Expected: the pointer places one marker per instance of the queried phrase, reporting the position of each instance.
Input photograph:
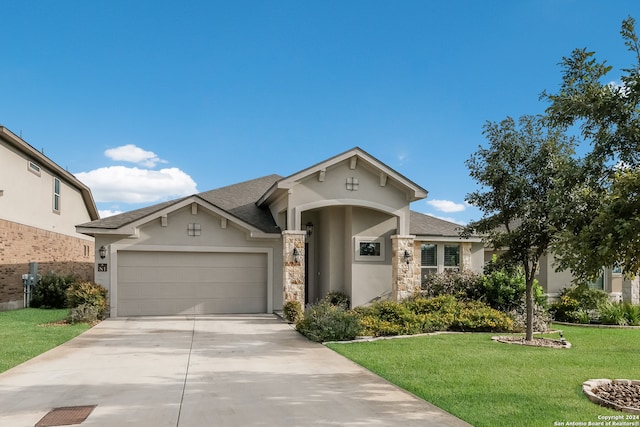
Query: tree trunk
(529, 307)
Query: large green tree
(522, 174)
(605, 201)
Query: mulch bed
(535, 342)
(621, 395)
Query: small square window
(194, 229)
(353, 184)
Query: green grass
(494, 384)
(25, 334)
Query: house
(344, 224)
(40, 204)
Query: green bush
(632, 312)
(421, 315)
(87, 294)
(292, 311)
(51, 291)
(479, 317)
(504, 286)
(578, 304)
(622, 314)
(327, 322)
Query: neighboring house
(612, 280)
(40, 204)
(344, 224)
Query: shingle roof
(238, 200)
(426, 225)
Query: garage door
(171, 283)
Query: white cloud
(134, 185)
(104, 213)
(134, 154)
(447, 205)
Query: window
(369, 249)
(56, 195)
(598, 283)
(429, 258)
(452, 257)
(194, 229)
(436, 258)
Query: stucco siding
(27, 196)
(214, 235)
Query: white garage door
(170, 283)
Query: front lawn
(29, 332)
(493, 384)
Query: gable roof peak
(353, 155)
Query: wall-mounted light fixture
(309, 229)
(407, 256)
(296, 256)
(102, 252)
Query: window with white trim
(452, 257)
(56, 194)
(438, 257)
(429, 258)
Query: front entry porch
(349, 249)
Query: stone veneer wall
(293, 273)
(405, 277)
(21, 244)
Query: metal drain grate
(65, 416)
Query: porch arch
(295, 218)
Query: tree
(523, 173)
(605, 206)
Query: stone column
(405, 275)
(465, 262)
(293, 264)
(631, 290)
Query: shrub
(541, 317)
(479, 317)
(327, 322)
(578, 304)
(421, 315)
(463, 285)
(505, 287)
(338, 298)
(632, 313)
(292, 311)
(84, 313)
(620, 314)
(51, 291)
(89, 295)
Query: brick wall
(54, 252)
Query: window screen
(429, 254)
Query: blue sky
(149, 100)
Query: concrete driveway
(244, 370)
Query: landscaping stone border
(590, 385)
(536, 342)
(597, 325)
